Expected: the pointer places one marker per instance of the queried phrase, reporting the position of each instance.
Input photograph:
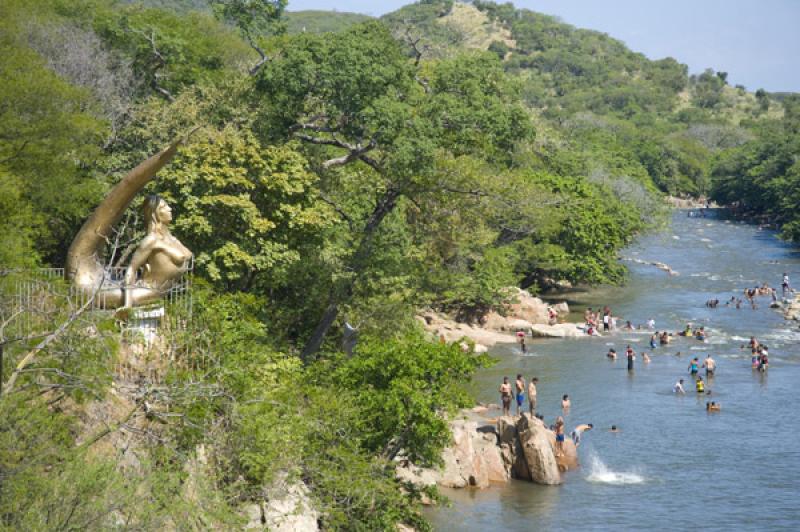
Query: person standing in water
(565, 403)
(694, 366)
(631, 354)
(505, 396)
(678, 388)
(785, 285)
(520, 386)
(532, 395)
(700, 386)
(710, 365)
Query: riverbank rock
(484, 453)
(497, 327)
(288, 509)
(792, 311)
(538, 450)
(474, 458)
(559, 330)
(526, 311)
(453, 331)
(688, 203)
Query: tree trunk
(357, 263)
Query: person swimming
(713, 406)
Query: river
(673, 464)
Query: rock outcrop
(473, 459)
(483, 454)
(538, 451)
(559, 330)
(527, 313)
(287, 508)
(792, 311)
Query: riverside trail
(673, 463)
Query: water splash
(599, 473)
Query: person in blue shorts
(520, 386)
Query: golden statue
(161, 257)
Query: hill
(321, 21)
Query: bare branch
(160, 63)
(29, 357)
(255, 68)
(354, 151)
(346, 217)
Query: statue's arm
(139, 259)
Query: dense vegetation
(355, 172)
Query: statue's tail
(84, 252)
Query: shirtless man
(565, 403)
(612, 354)
(520, 387)
(532, 395)
(505, 396)
(710, 365)
(559, 430)
(577, 431)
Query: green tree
(254, 18)
(355, 95)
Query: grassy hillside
(321, 21)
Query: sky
(756, 41)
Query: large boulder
(538, 451)
(506, 429)
(559, 330)
(488, 455)
(474, 458)
(568, 460)
(288, 508)
(461, 465)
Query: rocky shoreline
(528, 314)
(491, 451)
(792, 310)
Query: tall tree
(356, 99)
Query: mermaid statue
(160, 257)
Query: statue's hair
(151, 203)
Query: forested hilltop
(340, 169)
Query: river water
(673, 464)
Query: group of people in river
(750, 295)
(593, 320)
(517, 393)
(759, 352)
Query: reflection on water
(672, 462)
